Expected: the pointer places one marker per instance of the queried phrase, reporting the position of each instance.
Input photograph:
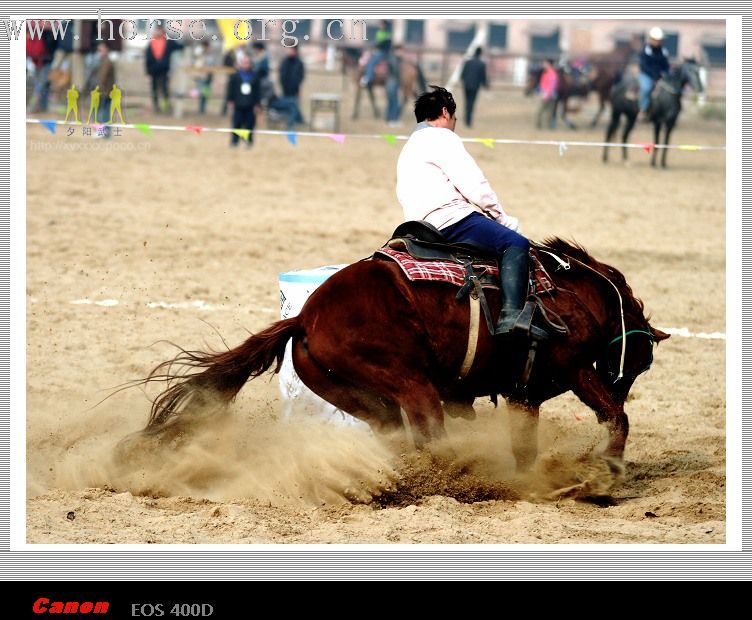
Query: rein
(621, 316)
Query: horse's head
(629, 351)
(690, 74)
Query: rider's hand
(511, 222)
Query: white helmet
(656, 33)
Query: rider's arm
(467, 177)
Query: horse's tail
(220, 375)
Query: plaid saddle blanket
(447, 271)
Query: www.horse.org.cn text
(194, 29)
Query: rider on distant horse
(653, 65)
(439, 182)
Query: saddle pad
(454, 273)
(439, 270)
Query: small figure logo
(72, 103)
(94, 106)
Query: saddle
(424, 241)
(470, 267)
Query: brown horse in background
(598, 73)
(370, 342)
(412, 83)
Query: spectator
(244, 98)
(473, 77)
(158, 67)
(41, 52)
(653, 65)
(260, 59)
(203, 80)
(102, 77)
(383, 47)
(548, 86)
(291, 76)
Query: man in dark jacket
(473, 77)
(291, 76)
(244, 98)
(158, 67)
(653, 65)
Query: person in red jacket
(549, 87)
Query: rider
(439, 182)
(382, 51)
(653, 65)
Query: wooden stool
(327, 103)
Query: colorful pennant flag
(195, 129)
(648, 147)
(339, 138)
(562, 148)
(487, 142)
(143, 128)
(51, 125)
(390, 138)
(242, 133)
(292, 138)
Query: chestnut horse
(371, 342)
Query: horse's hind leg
(381, 414)
(610, 133)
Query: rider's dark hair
(429, 105)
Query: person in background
(244, 98)
(291, 76)
(103, 76)
(383, 48)
(41, 51)
(473, 78)
(439, 182)
(203, 81)
(548, 86)
(158, 55)
(653, 65)
(260, 60)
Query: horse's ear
(658, 335)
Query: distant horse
(665, 102)
(598, 74)
(412, 83)
(607, 70)
(371, 342)
(624, 102)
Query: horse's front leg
(523, 430)
(656, 141)
(669, 128)
(631, 118)
(589, 388)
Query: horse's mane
(574, 250)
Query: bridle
(623, 337)
(614, 376)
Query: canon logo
(45, 606)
